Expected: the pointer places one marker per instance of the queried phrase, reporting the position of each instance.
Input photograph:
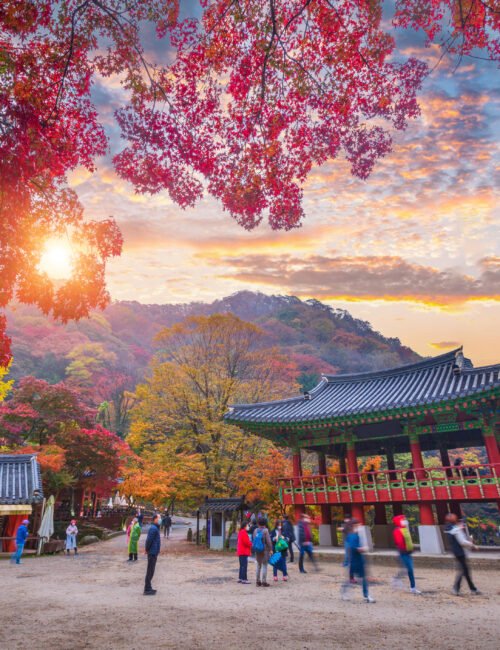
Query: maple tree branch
(74, 15)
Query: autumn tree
(258, 480)
(5, 385)
(165, 476)
(204, 364)
(37, 411)
(249, 98)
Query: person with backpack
(459, 543)
(404, 544)
(280, 545)
(357, 563)
(289, 535)
(243, 551)
(262, 548)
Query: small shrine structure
(442, 403)
(218, 512)
(21, 495)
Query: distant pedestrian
(244, 550)
(133, 542)
(280, 545)
(152, 548)
(167, 524)
(21, 536)
(261, 545)
(289, 535)
(305, 542)
(140, 516)
(404, 545)
(346, 530)
(460, 543)
(71, 537)
(357, 563)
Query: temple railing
(463, 483)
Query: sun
(57, 259)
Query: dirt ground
(95, 600)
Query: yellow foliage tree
(5, 386)
(205, 364)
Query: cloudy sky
(415, 249)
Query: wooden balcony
(395, 486)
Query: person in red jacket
(404, 544)
(244, 550)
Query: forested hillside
(317, 338)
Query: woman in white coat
(71, 535)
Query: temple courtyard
(95, 600)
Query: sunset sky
(415, 249)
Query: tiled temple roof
(223, 505)
(446, 377)
(20, 479)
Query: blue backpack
(258, 545)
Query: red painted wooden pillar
(297, 464)
(326, 516)
(298, 508)
(426, 514)
(352, 461)
(490, 442)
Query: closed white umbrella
(46, 529)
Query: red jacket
(244, 545)
(402, 541)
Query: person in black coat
(289, 534)
(153, 544)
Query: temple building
(439, 404)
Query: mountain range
(318, 338)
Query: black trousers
(290, 550)
(243, 567)
(463, 572)
(150, 571)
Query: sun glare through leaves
(57, 259)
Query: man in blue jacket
(153, 543)
(21, 535)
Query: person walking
(460, 542)
(243, 551)
(289, 535)
(152, 549)
(167, 524)
(21, 535)
(71, 537)
(346, 530)
(305, 542)
(404, 545)
(280, 545)
(357, 563)
(133, 542)
(261, 545)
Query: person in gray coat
(263, 549)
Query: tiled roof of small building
(223, 505)
(446, 377)
(20, 479)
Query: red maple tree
(254, 95)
